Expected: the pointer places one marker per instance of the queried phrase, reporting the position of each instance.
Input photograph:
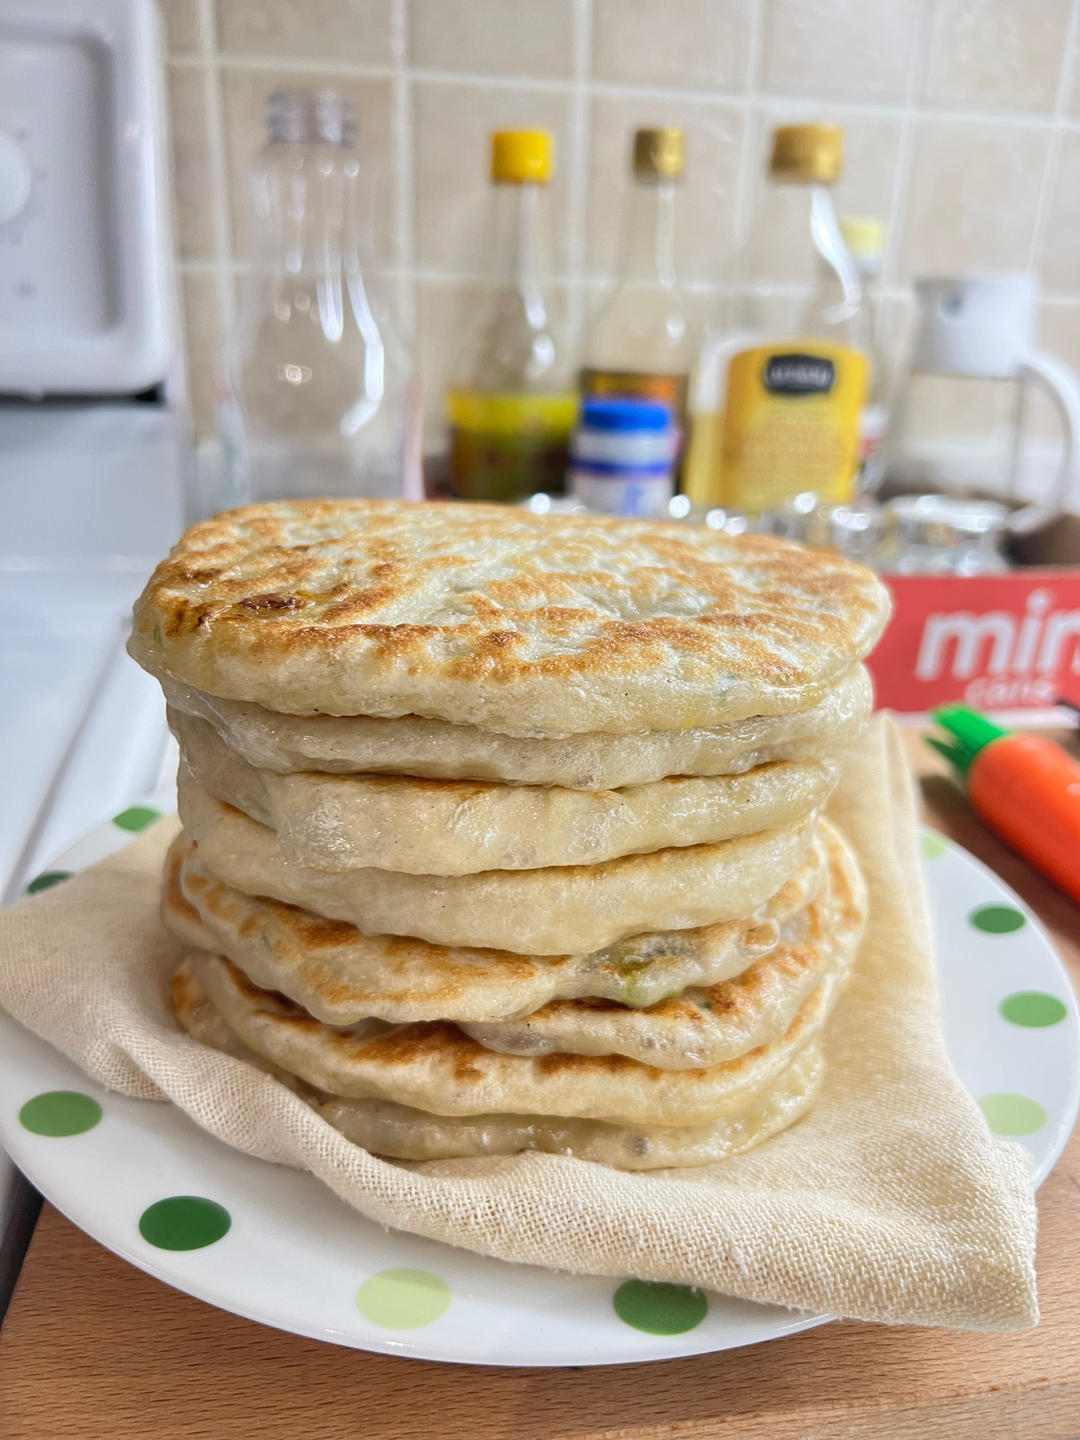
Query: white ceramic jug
(980, 328)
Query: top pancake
(490, 616)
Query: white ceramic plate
(275, 1245)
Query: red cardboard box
(997, 642)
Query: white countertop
(90, 498)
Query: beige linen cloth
(891, 1201)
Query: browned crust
(308, 940)
(470, 1062)
(405, 595)
(409, 1046)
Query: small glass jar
(794, 519)
(943, 535)
(854, 531)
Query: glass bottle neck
(649, 253)
(516, 242)
(794, 244)
(841, 292)
(835, 305)
(307, 213)
(512, 345)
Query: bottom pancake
(435, 1066)
(400, 1132)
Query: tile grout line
(404, 248)
(204, 24)
(219, 184)
(578, 209)
(851, 106)
(905, 146)
(1065, 76)
(293, 64)
(435, 275)
(747, 172)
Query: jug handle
(1059, 382)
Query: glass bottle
(865, 239)
(318, 395)
(510, 405)
(785, 382)
(643, 341)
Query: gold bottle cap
(807, 154)
(659, 153)
(522, 157)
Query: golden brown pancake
(404, 1133)
(435, 1067)
(490, 616)
(532, 912)
(705, 1025)
(340, 975)
(437, 750)
(757, 1027)
(459, 827)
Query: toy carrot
(1025, 787)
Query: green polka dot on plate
(184, 1222)
(658, 1308)
(1032, 1008)
(136, 817)
(932, 844)
(59, 1113)
(997, 919)
(46, 880)
(1009, 1114)
(403, 1299)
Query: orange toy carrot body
(1024, 787)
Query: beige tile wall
(963, 120)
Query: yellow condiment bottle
(511, 404)
(782, 388)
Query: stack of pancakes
(503, 831)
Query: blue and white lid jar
(622, 457)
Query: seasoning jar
(623, 456)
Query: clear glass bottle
(510, 405)
(318, 395)
(865, 239)
(643, 340)
(782, 387)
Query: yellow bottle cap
(807, 154)
(659, 153)
(522, 157)
(864, 235)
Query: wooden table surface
(93, 1349)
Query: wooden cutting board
(94, 1350)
